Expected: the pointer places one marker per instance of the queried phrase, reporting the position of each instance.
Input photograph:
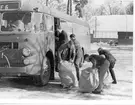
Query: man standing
(112, 61)
(63, 38)
(60, 39)
(71, 52)
(102, 64)
(78, 56)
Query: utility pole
(47, 2)
(125, 20)
(70, 7)
(126, 24)
(95, 25)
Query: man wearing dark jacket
(60, 39)
(112, 61)
(63, 38)
(102, 64)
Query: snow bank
(95, 46)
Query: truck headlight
(26, 61)
(26, 51)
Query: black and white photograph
(67, 52)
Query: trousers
(77, 61)
(112, 71)
(102, 71)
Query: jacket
(63, 38)
(65, 46)
(108, 55)
(97, 60)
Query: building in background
(113, 27)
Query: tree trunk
(47, 2)
(71, 7)
(68, 7)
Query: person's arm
(57, 33)
(93, 61)
(65, 36)
(56, 39)
(61, 48)
(72, 52)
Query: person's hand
(61, 61)
(71, 61)
(93, 67)
(58, 66)
(98, 67)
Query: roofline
(111, 15)
(73, 19)
(49, 11)
(56, 14)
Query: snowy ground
(24, 89)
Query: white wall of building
(105, 34)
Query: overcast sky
(100, 2)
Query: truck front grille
(10, 45)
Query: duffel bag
(67, 74)
(89, 80)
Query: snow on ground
(24, 89)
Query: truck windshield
(16, 21)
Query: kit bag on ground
(89, 80)
(67, 74)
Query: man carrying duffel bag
(112, 61)
(89, 80)
(102, 64)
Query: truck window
(38, 22)
(15, 21)
(49, 23)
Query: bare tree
(79, 6)
(130, 8)
(56, 4)
(62, 7)
(100, 10)
(114, 7)
(47, 2)
(69, 7)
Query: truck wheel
(43, 78)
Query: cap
(72, 35)
(99, 49)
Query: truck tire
(43, 78)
